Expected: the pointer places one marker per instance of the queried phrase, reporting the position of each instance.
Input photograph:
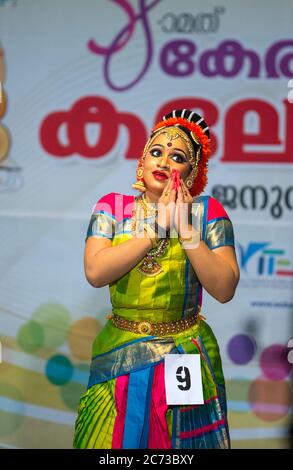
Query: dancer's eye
(156, 152)
(179, 158)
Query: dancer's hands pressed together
(174, 208)
(166, 206)
(182, 216)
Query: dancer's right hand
(167, 206)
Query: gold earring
(139, 183)
(189, 183)
(190, 179)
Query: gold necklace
(141, 204)
(149, 266)
(148, 211)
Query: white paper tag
(183, 379)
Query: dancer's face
(163, 156)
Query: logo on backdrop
(263, 259)
(266, 268)
(181, 58)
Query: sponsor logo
(259, 258)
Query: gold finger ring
(167, 194)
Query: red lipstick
(160, 175)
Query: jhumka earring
(190, 179)
(139, 184)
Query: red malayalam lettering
(101, 111)
(91, 110)
(236, 138)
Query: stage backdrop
(81, 85)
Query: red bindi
(169, 144)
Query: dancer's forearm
(216, 270)
(111, 263)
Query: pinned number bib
(183, 379)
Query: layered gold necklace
(149, 266)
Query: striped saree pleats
(121, 390)
(130, 411)
(96, 417)
(159, 432)
(124, 413)
(141, 411)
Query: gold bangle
(183, 239)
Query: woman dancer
(157, 251)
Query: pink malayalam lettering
(284, 66)
(123, 37)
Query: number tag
(183, 379)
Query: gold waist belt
(157, 329)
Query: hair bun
(190, 116)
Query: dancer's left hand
(182, 218)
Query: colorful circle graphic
(55, 321)
(274, 362)
(59, 370)
(4, 142)
(270, 400)
(3, 102)
(72, 391)
(241, 348)
(81, 336)
(11, 398)
(30, 336)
